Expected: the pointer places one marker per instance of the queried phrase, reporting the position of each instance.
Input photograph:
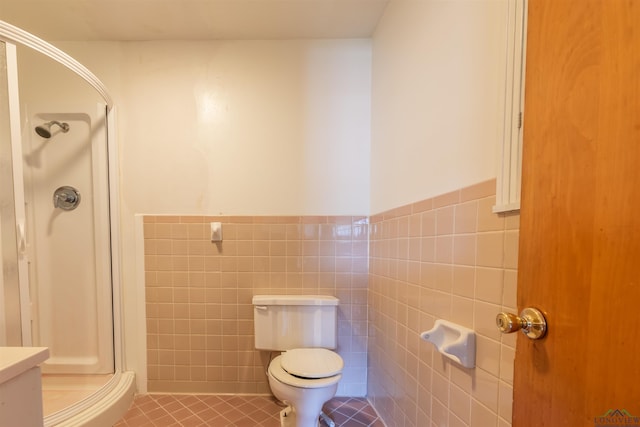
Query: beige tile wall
(198, 295)
(448, 257)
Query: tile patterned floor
(174, 410)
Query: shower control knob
(66, 198)
(531, 322)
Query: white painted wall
(259, 127)
(437, 99)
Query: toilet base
(305, 404)
(328, 421)
(288, 417)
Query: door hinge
(520, 120)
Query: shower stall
(68, 243)
(58, 228)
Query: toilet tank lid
(294, 300)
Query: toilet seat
(312, 362)
(279, 373)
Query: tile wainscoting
(198, 295)
(451, 258)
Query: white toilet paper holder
(454, 341)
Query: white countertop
(16, 360)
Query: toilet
(306, 373)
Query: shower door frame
(11, 36)
(18, 192)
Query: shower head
(44, 130)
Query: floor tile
(168, 410)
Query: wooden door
(580, 217)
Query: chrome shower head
(44, 130)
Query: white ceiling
(193, 19)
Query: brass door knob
(531, 322)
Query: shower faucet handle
(66, 198)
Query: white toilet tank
(284, 322)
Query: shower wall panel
(69, 249)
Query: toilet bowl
(304, 379)
(306, 374)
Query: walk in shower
(58, 235)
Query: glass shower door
(66, 189)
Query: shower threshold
(62, 391)
(103, 399)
